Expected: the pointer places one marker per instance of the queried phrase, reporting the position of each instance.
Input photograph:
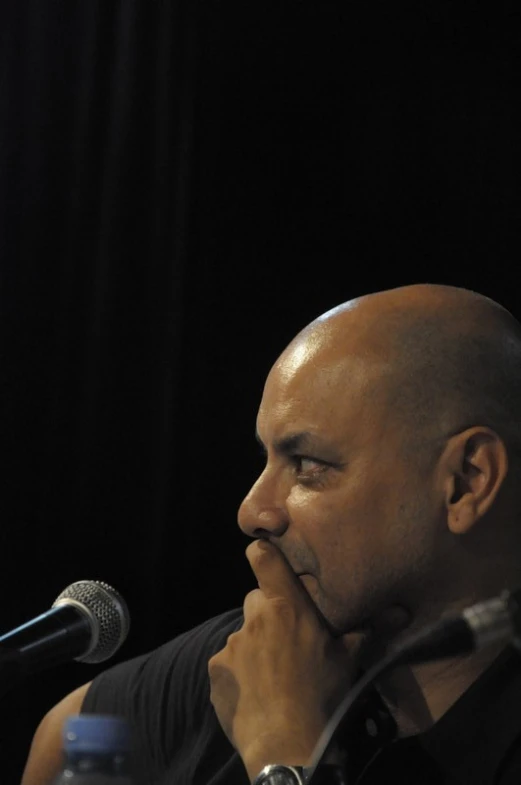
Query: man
(392, 430)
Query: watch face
(278, 774)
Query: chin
(336, 622)
(337, 619)
(339, 623)
(328, 619)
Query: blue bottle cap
(96, 733)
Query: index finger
(274, 575)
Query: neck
(419, 695)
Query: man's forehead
(313, 367)
(302, 355)
(310, 392)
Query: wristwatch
(280, 774)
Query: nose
(263, 513)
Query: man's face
(337, 496)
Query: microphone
(87, 622)
(497, 620)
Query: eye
(306, 463)
(308, 468)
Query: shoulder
(174, 670)
(164, 694)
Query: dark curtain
(183, 186)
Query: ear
(475, 464)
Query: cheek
(315, 512)
(342, 535)
(352, 531)
(336, 527)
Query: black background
(183, 186)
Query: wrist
(278, 749)
(255, 765)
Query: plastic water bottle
(96, 751)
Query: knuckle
(231, 641)
(273, 611)
(283, 609)
(213, 663)
(276, 608)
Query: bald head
(447, 358)
(389, 425)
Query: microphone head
(106, 612)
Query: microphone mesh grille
(110, 613)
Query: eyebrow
(293, 442)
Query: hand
(280, 677)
